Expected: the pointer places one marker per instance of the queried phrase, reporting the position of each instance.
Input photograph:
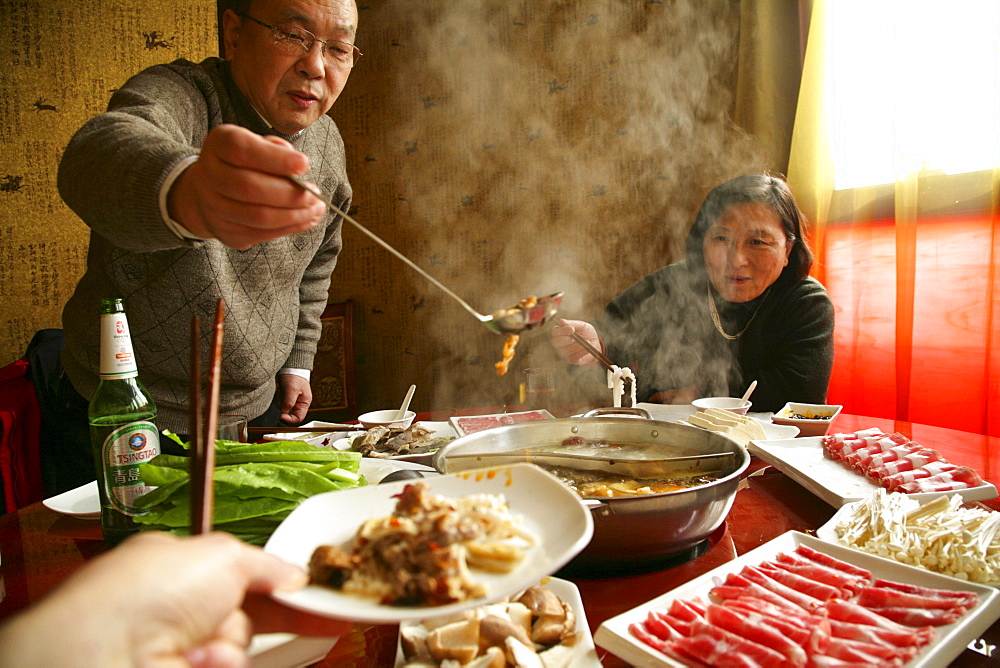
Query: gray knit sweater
(111, 174)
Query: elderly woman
(739, 307)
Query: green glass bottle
(122, 428)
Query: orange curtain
(911, 267)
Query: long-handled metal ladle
(513, 320)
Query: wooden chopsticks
(598, 355)
(603, 359)
(203, 431)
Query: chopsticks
(603, 359)
(598, 355)
(203, 431)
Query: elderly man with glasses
(183, 182)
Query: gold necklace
(715, 315)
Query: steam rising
(554, 135)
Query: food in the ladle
(511, 342)
(523, 305)
(422, 554)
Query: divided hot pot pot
(631, 533)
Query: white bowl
(386, 418)
(734, 404)
(818, 422)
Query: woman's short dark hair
(765, 189)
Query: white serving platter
(548, 508)
(828, 532)
(585, 653)
(470, 424)
(83, 502)
(675, 412)
(771, 431)
(437, 429)
(375, 469)
(949, 641)
(803, 460)
(287, 650)
(323, 437)
(777, 431)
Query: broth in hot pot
(601, 484)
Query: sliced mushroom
(459, 641)
(520, 615)
(558, 656)
(494, 631)
(541, 601)
(521, 655)
(413, 640)
(492, 658)
(551, 629)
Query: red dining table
(40, 548)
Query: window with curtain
(896, 158)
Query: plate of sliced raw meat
(798, 600)
(470, 424)
(843, 468)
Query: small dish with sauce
(811, 419)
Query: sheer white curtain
(896, 160)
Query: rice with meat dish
(423, 552)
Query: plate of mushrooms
(543, 625)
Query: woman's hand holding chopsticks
(577, 342)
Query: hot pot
(632, 533)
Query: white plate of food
(82, 502)
(576, 651)
(948, 640)
(946, 537)
(675, 412)
(543, 509)
(375, 469)
(323, 436)
(803, 460)
(470, 424)
(419, 442)
(287, 650)
(777, 431)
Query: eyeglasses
(294, 41)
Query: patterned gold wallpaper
(62, 59)
(509, 147)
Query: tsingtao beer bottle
(122, 429)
